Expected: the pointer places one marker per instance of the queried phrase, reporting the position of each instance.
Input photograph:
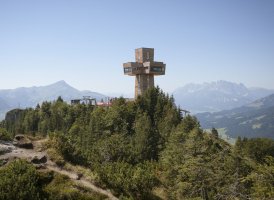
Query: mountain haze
(30, 96)
(3, 104)
(252, 120)
(216, 96)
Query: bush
(134, 181)
(62, 188)
(4, 135)
(19, 180)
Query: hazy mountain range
(30, 96)
(255, 119)
(216, 96)
(239, 117)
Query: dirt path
(82, 181)
(28, 154)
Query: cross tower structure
(144, 69)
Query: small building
(87, 100)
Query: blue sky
(85, 42)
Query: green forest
(142, 149)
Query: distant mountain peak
(214, 85)
(216, 96)
(60, 85)
(61, 82)
(30, 96)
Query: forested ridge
(144, 149)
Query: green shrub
(19, 180)
(4, 135)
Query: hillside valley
(255, 119)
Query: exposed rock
(40, 166)
(5, 147)
(39, 159)
(79, 176)
(22, 141)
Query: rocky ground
(38, 157)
